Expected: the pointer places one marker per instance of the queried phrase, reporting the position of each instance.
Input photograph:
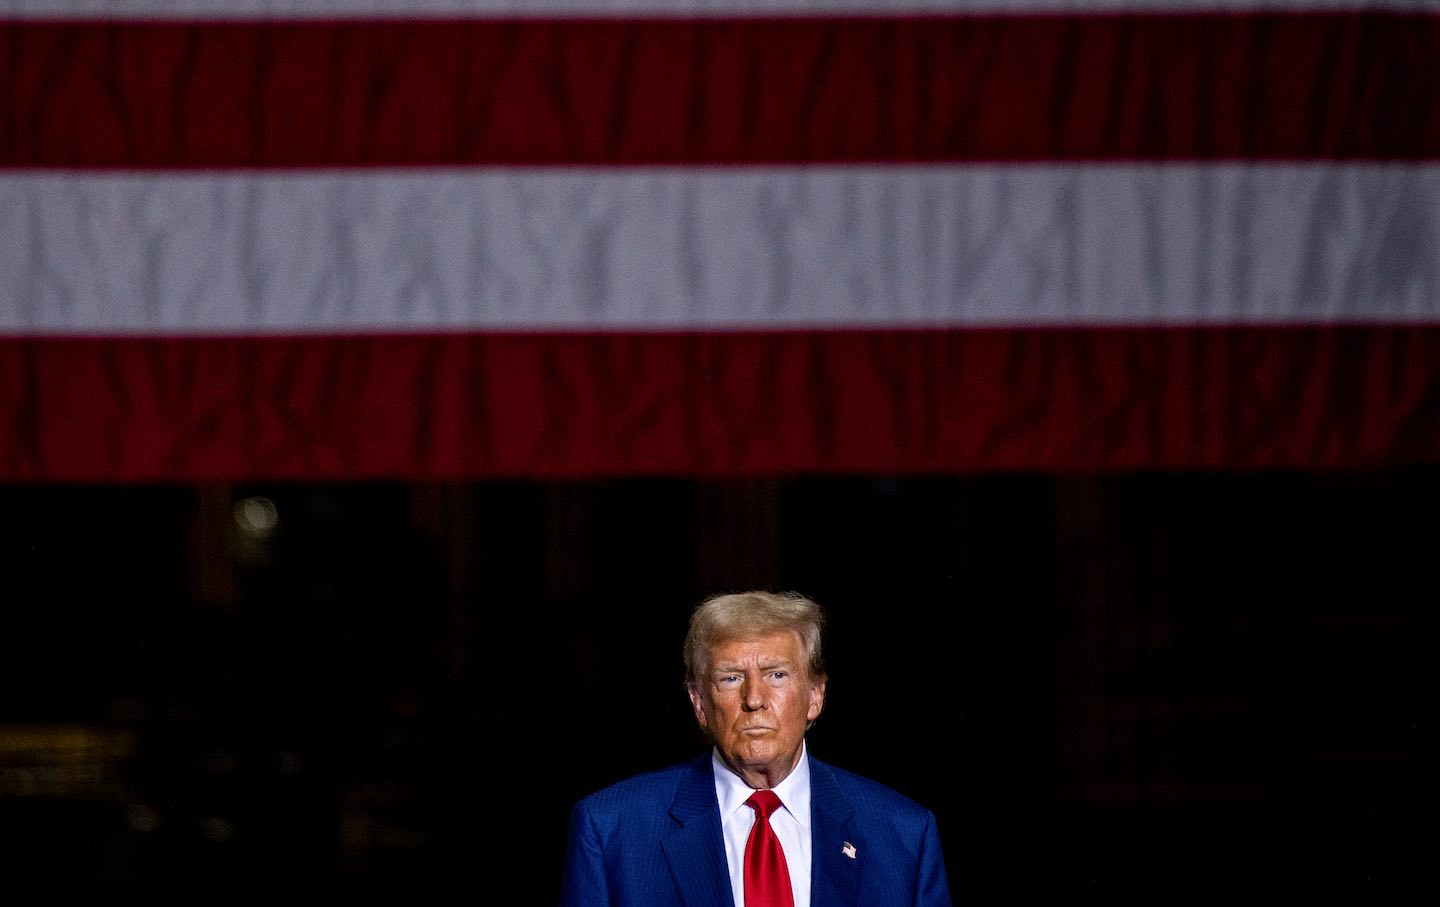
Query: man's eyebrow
(740, 669)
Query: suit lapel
(834, 876)
(694, 845)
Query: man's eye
(780, 675)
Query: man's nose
(753, 696)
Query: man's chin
(757, 754)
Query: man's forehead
(781, 646)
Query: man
(700, 835)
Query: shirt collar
(794, 791)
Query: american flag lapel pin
(848, 850)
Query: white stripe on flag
(1016, 245)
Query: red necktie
(767, 878)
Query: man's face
(756, 702)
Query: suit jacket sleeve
(932, 889)
(584, 882)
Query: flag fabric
(366, 239)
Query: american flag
(366, 239)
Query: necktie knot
(764, 802)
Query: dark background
(1098, 683)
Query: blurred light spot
(219, 830)
(221, 762)
(288, 762)
(142, 818)
(256, 515)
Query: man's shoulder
(656, 787)
(869, 795)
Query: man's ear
(697, 703)
(817, 700)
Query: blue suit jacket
(654, 840)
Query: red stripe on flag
(533, 405)
(1357, 85)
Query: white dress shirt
(791, 823)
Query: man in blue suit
(689, 835)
